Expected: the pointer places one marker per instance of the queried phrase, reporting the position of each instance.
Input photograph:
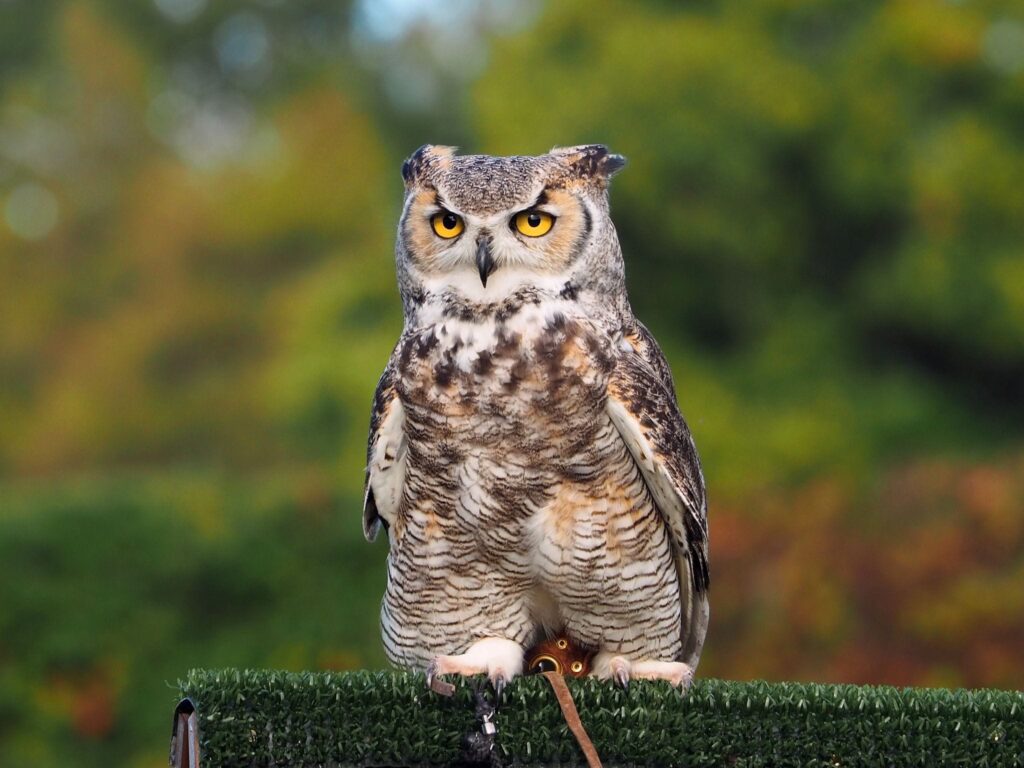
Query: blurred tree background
(823, 221)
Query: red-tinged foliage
(918, 584)
(86, 699)
(93, 712)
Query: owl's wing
(385, 456)
(643, 343)
(642, 405)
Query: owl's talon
(435, 683)
(622, 678)
(499, 686)
(620, 669)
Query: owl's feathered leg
(498, 658)
(609, 665)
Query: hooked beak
(484, 259)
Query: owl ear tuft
(592, 161)
(424, 158)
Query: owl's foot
(611, 666)
(498, 658)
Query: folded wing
(385, 457)
(642, 405)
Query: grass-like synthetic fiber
(266, 718)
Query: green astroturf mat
(267, 718)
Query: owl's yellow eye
(533, 223)
(447, 225)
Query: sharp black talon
(622, 679)
(499, 686)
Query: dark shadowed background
(823, 222)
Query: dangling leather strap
(572, 718)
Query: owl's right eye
(446, 224)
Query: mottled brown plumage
(526, 452)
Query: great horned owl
(526, 453)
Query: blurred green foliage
(820, 195)
(116, 586)
(822, 222)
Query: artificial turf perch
(264, 718)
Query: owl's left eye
(447, 224)
(533, 223)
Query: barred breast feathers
(465, 326)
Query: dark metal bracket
(185, 736)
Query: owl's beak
(484, 259)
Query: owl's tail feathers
(696, 613)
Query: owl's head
(484, 226)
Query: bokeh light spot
(243, 45)
(180, 11)
(31, 211)
(1003, 46)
